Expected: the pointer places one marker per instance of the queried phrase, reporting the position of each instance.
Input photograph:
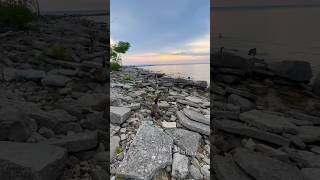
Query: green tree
(119, 48)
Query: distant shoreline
(146, 65)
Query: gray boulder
(196, 116)
(15, 125)
(245, 104)
(180, 166)
(24, 161)
(316, 85)
(76, 142)
(150, 150)
(119, 115)
(31, 74)
(55, 80)
(265, 168)
(298, 71)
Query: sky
(162, 32)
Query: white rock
(180, 166)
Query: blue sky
(162, 32)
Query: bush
(115, 66)
(128, 77)
(15, 14)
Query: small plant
(115, 66)
(118, 178)
(118, 150)
(16, 14)
(128, 77)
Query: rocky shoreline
(53, 96)
(175, 147)
(265, 119)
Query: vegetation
(117, 49)
(17, 13)
(128, 77)
(115, 66)
(118, 150)
(118, 178)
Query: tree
(119, 48)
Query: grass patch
(118, 150)
(15, 14)
(118, 178)
(115, 66)
(128, 77)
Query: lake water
(278, 33)
(194, 71)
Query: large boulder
(316, 85)
(298, 71)
(118, 115)
(24, 161)
(180, 166)
(228, 60)
(15, 125)
(55, 80)
(150, 150)
(265, 168)
(76, 142)
(31, 74)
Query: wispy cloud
(195, 50)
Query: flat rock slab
(34, 161)
(97, 101)
(188, 141)
(193, 125)
(55, 80)
(163, 104)
(311, 173)
(118, 115)
(226, 169)
(309, 133)
(242, 129)
(114, 143)
(268, 122)
(196, 116)
(184, 102)
(166, 124)
(76, 142)
(194, 99)
(150, 151)
(265, 168)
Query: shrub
(15, 14)
(128, 77)
(115, 66)
(118, 150)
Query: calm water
(194, 71)
(277, 33)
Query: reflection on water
(194, 71)
(277, 33)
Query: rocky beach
(176, 146)
(265, 119)
(53, 98)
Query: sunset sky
(162, 32)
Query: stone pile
(53, 95)
(264, 129)
(175, 146)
